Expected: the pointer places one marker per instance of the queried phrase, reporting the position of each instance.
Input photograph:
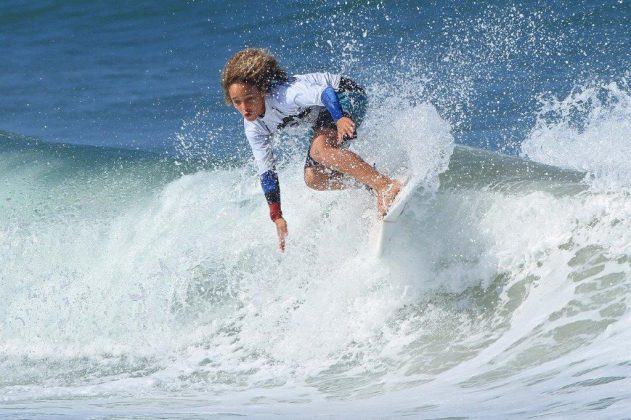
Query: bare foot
(386, 196)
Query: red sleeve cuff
(274, 211)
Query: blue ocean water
(128, 75)
(139, 273)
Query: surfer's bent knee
(310, 178)
(313, 179)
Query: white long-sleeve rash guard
(286, 104)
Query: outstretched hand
(345, 127)
(281, 231)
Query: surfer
(334, 105)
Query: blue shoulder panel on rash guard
(332, 103)
(271, 188)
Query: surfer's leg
(325, 150)
(319, 178)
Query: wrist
(345, 116)
(278, 220)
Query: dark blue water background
(130, 74)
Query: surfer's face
(248, 100)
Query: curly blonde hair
(253, 66)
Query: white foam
(185, 290)
(588, 131)
(413, 141)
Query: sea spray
(588, 130)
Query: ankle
(382, 183)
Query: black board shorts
(354, 104)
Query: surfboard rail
(387, 226)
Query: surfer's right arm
(261, 145)
(271, 188)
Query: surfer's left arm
(344, 123)
(318, 89)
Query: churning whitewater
(508, 280)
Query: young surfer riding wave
(334, 105)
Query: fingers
(281, 230)
(281, 244)
(345, 128)
(281, 240)
(349, 129)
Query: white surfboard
(387, 229)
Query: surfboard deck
(387, 229)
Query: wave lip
(587, 131)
